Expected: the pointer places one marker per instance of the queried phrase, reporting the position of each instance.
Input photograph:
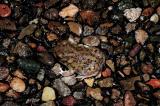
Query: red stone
(5, 10)
(69, 101)
(155, 83)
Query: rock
(48, 103)
(89, 4)
(87, 30)
(103, 38)
(28, 30)
(98, 103)
(57, 69)
(69, 11)
(22, 49)
(115, 94)
(3, 87)
(6, 42)
(129, 83)
(57, 27)
(40, 75)
(147, 68)
(6, 24)
(116, 29)
(107, 82)
(141, 36)
(135, 50)
(146, 77)
(148, 11)
(4, 72)
(51, 14)
(62, 89)
(5, 10)
(154, 18)
(12, 94)
(9, 103)
(18, 73)
(157, 94)
(129, 99)
(90, 17)
(155, 83)
(17, 84)
(95, 93)
(78, 95)
(70, 80)
(158, 10)
(69, 101)
(127, 70)
(46, 58)
(119, 103)
(89, 81)
(110, 64)
(51, 36)
(48, 94)
(132, 14)
(91, 41)
(50, 3)
(75, 28)
(106, 72)
(103, 28)
(130, 27)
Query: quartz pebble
(17, 84)
(132, 14)
(69, 11)
(48, 94)
(154, 18)
(89, 81)
(141, 36)
(70, 80)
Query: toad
(80, 59)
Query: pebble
(89, 81)
(12, 94)
(148, 11)
(141, 36)
(103, 28)
(70, 80)
(28, 30)
(4, 72)
(95, 93)
(128, 84)
(89, 17)
(158, 10)
(129, 99)
(9, 103)
(107, 82)
(103, 38)
(41, 75)
(3, 87)
(91, 41)
(62, 89)
(17, 84)
(106, 72)
(130, 27)
(135, 50)
(87, 30)
(48, 94)
(127, 70)
(49, 103)
(22, 49)
(110, 64)
(78, 95)
(146, 77)
(75, 28)
(6, 42)
(5, 10)
(115, 94)
(51, 14)
(132, 14)
(51, 36)
(69, 11)
(154, 18)
(18, 73)
(147, 68)
(69, 101)
(155, 83)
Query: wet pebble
(69, 101)
(148, 11)
(48, 94)
(87, 30)
(154, 18)
(3, 87)
(62, 89)
(5, 10)
(70, 80)
(107, 82)
(75, 28)
(69, 11)
(4, 72)
(51, 14)
(91, 41)
(106, 73)
(17, 84)
(141, 36)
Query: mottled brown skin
(85, 61)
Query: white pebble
(132, 14)
(48, 94)
(154, 18)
